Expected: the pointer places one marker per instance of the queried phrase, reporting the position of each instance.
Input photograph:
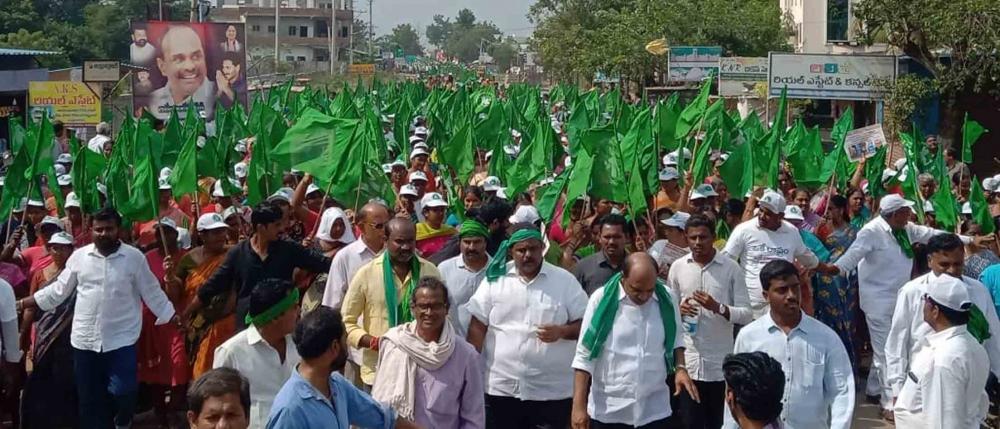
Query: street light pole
(277, 4)
(371, 31)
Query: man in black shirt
(595, 270)
(262, 256)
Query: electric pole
(371, 32)
(277, 4)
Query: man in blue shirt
(316, 395)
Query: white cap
(887, 174)
(167, 222)
(408, 189)
(201, 141)
(60, 169)
(793, 212)
(703, 190)
(416, 138)
(387, 168)
(217, 189)
(417, 175)
(525, 214)
(51, 220)
(967, 208)
(515, 133)
(64, 158)
(61, 238)
(433, 200)
(36, 203)
(397, 163)
(420, 131)
(65, 180)
(928, 207)
(670, 159)
(422, 145)
(72, 200)
(893, 202)
(502, 193)
(950, 292)
(282, 194)
(231, 211)
(417, 151)
(240, 170)
(990, 184)
(326, 222)
(183, 238)
(492, 184)
(511, 150)
(165, 172)
(678, 220)
(312, 188)
(165, 184)
(772, 201)
(898, 165)
(210, 221)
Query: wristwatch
(724, 310)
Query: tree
(955, 41)
(25, 39)
(438, 32)
(504, 53)
(405, 37)
(465, 19)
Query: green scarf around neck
(399, 309)
(604, 318)
(498, 265)
(978, 326)
(903, 240)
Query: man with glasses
(378, 297)
(372, 219)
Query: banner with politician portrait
(187, 64)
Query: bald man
(181, 61)
(371, 219)
(609, 363)
(369, 310)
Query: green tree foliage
(575, 38)
(437, 33)
(405, 37)
(464, 37)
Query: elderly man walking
(525, 319)
(427, 373)
(379, 295)
(463, 273)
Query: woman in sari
(857, 212)
(333, 234)
(50, 392)
(215, 323)
(836, 299)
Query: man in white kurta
(883, 267)
(763, 239)
(946, 257)
(945, 386)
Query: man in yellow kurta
(380, 307)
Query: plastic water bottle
(691, 322)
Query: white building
(824, 27)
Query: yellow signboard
(73, 103)
(362, 69)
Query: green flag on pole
(971, 131)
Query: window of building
(344, 31)
(270, 29)
(837, 20)
(292, 31)
(320, 57)
(301, 58)
(289, 58)
(303, 31)
(321, 29)
(255, 28)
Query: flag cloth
(945, 207)
(459, 152)
(835, 161)
(971, 131)
(184, 176)
(981, 209)
(579, 182)
(549, 196)
(88, 166)
(694, 111)
(143, 202)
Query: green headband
(268, 316)
(473, 228)
(498, 265)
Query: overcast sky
(508, 15)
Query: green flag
(143, 202)
(550, 194)
(579, 182)
(945, 207)
(184, 176)
(608, 174)
(971, 131)
(981, 208)
(534, 161)
(459, 152)
(173, 138)
(832, 164)
(693, 111)
(88, 166)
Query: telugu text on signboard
(832, 77)
(864, 142)
(73, 103)
(100, 71)
(362, 69)
(693, 63)
(739, 75)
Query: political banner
(187, 64)
(863, 143)
(73, 103)
(831, 77)
(739, 75)
(693, 63)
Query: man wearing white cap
(883, 256)
(703, 195)
(34, 258)
(65, 183)
(670, 192)
(406, 205)
(419, 157)
(906, 341)
(763, 239)
(491, 186)
(668, 250)
(73, 221)
(945, 386)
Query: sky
(508, 15)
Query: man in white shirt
(883, 255)
(112, 280)
(264, 352)
(372, 219)
(946, 258)
(711, 289)
(525, 319)
(945, 386)
(819, 380)
(465, 272)
(142, 53)
(9, 334)
(97, 143)
(763, 239)
(621, 361)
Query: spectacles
(429, 307)
(377, 225)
